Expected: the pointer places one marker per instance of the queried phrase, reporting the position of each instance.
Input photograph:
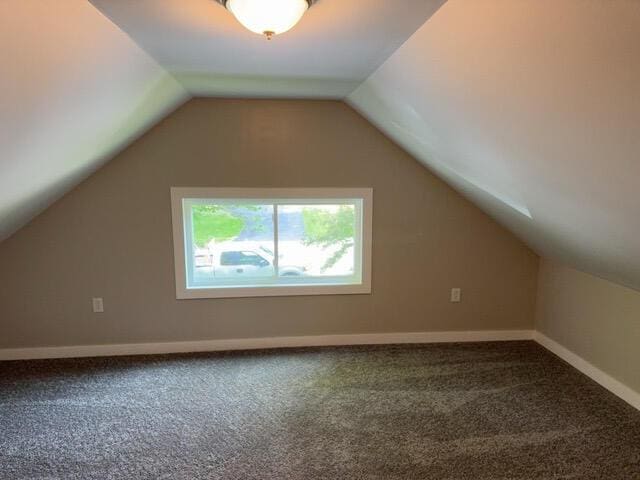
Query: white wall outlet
(456, 295)
(98, 305)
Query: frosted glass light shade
(268, 17)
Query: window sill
(273, 291)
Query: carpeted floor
(446, 412)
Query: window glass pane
(316, 240)
(232, 243)
(227, 243)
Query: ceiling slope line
(62, 124)
(532, 117)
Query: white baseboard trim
(259, 343)
(607, 381)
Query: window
(245, 242)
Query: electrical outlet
(98, 305)
(456, 295)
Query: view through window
(256, 243)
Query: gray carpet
(457, 411)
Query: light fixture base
(224, 2)
(270, 21)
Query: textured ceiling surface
(534, 113)
(530, 108)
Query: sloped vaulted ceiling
(531, 108)
(73, 89)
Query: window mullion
(276, 257)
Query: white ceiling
(336, 45)
(532, 109)
(73, 90)
(77, 87)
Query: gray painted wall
(111, 237)
(594, 318)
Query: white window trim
(180, 193)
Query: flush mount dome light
(268, 17)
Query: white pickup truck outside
(241, 260)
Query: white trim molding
(607, 381)
(262, 343)
(604, 379)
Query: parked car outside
(242, 259)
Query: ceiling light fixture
(268, 17)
